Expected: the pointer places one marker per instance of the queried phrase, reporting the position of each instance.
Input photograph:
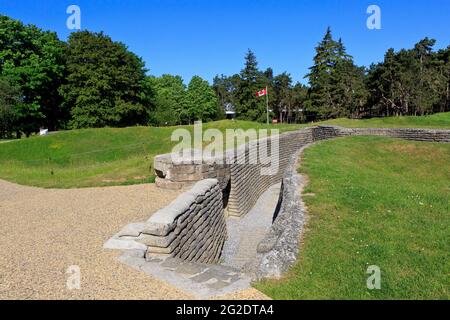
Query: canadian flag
(262, 92)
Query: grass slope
(373, 201)
(95, 157)
(114, 156)
(435, 121)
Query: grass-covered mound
(434, 121)
(95, 157)
(114, 156)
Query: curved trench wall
(193, 226)
(247, 182)
(279, 248)
(327, 132)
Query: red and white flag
(262, 92)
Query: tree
(349, 93)
(413, 82)
(225, 89)
(300, 102)
(320, 77)
(248, 106)
(337, 87)
(33, 61)
(382, 84)
(10, 105)
(282, 95)
(201, 101)
(104, 82)
(169, 100)
(431, 82)
(443, 69)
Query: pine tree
(320, 77)
(413, 82)
(248, 107)
(442, 62)
(250, 72)
(349, 91)
(336, 84)
(282, 95)
(427, 90)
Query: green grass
(435, 121)
(116, 156)
(373, 201)
(95, 157)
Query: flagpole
(267, 105)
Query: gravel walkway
(44, 231)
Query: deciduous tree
(201, 101)
(104, 82)
(33, 60)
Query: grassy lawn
(95, 157)
(435, 121)
(373, 201)
(115, 156)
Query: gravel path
(44, 231)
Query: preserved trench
(234, 224)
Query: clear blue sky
(209, 37)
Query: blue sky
(200, 37)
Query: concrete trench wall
(244, 181)
(429, 135)
(193, 227)
(279, 248)
(247, 182)
(187, 173)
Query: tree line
(408, 82)
(92, 81)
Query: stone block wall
(192, 227)
(171, 175)
(243, 184)
(247, 182)
(279, 248)
(429, 135)
(328, 132)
